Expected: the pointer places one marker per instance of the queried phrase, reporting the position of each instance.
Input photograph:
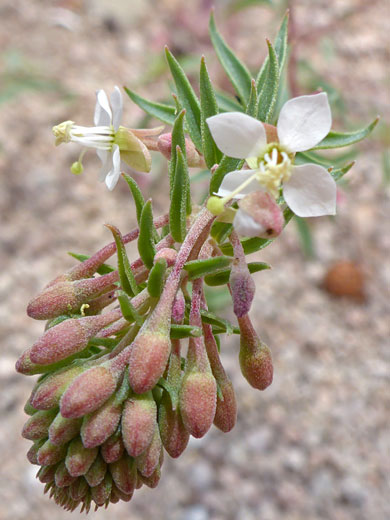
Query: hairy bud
(38, 425)
(148, 460)
(241, 283)
(63, 430)
(49, 454)
(96, 472)
(78, 458)
(113, 448)
(164, 144)
(138, 423)
(168, 254)
(62, 476)
(47, 394)
(173, 433)
(255, 356)
(124, 474)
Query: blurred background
(315, 445)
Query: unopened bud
(78, 489)
(164, 144)
(62, 476)
(63, 430)
(46, 474)
(173, 433)
(100, 425)
(77, 168)
(148, 460)
(138, 423)
(67, 297)
(226, 412)
(96, 472)
(68, 337)
(101, 493)
(124, 474)
(88, 392)
(258, 216)
(117, 494)
(198, 396)
(241, 283)
(168, 254)
(255, 356)
(113, 448)
(38, 425)
(154, 478)
(50, 454)
(48, 393)
(78, 458)
(32, 454)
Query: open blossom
(309, 190)
(112, 141)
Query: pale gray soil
(315, 445)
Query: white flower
(110, 140)
(309, 190)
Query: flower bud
(117, 494)
(78, 489)
(226, 412)
(148, 460)
(46, 474)
(62, 476)
(38, 425)
(198, 395)
(138, 423)
(47, 395)
(50, 454)
(168, 254)
(96, 472)
(67, 297)
(78, 458)
(101, 493)
(124, 474)
(63, 430)
(241, 283)
(255, 356)
(173, 433)
(164, 144)
(88, 392)
(113, 448)
(258, 216)
(100, 425)
(32, 454)
(154, 478)
(69, 337)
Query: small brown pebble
(346, 279)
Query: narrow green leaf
(269, 91)
(164, 113)
(236, 70)
(146, 246)
(126, 276)
(222, 277)
(129, 312)
(281, 47)
(178, 139)
(340, 172)
(251, 108)
(137, 195)
(227, 164)
(103, 269)
(339, 139)
(209, 107)
(187, 98)
(199, 268)
(220, 231)
(157, 277)
(172, 392)
(179, 198)
(185, 331)
(227, 104)
(216, 321)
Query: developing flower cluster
(129, 361)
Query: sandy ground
(316, 444)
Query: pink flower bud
(88, 392)
(148, 359)
(255, 356)
(63, 430)
(78, 458)
(164, 144)
(66, 297)
(198, 395)
(241, 283)
(101, 493)
(153, 480)
(50, 454)
(226, 412)
(46, 474)
(148, 460)
(138, 423)
(32, 454)
(38, 425)
(173, 433)
(47, 395)
(117, 494)
(62, 476)
(113, 448)
(101, 424)
(258, 216)
(78, 489)
(168, 254)
(124, 474)
(69, 337)
(96, 472)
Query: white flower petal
(233, 180)
(237, 135)
(117, 107)
(103, 115)
(113, 176)
(304, 121)
(311, 191)
(246, 226)
(106, 158)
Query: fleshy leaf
(126, 276)
(270, 88)
(251, 108)
(137, 195)
(187, 98)
(146, 246)
(156, 278)
(209, 107)
(340, 139)
(236, 70)
(220, 231)
(179, 331)
(222, 277)
(164, 113)
(200, 268)
(220, 323)
(179, 199)
(129, 312)
(178, 139)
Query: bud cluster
(114, 390)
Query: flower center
(274, 168)
(99, 137)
